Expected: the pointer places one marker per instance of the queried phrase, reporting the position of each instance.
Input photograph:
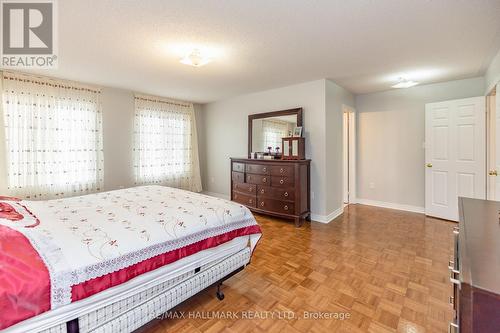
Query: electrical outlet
(372, 186)
(212, 180)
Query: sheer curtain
(166, 145)
(273, 131)
(53, 137)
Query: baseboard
(217, 195)
(390, 205)
(327, 218)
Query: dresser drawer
(282, 181)
(258, 169)
(245, 188)
(275, 193)
(258, 179)
(238, 177)
(276, 206)
(239, 167)
(284, 171)
(247, 200)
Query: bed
(113, 261)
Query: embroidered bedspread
(56, 252)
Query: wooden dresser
(475, 269)
(276, 187)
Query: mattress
(58, 252)
(88, 310)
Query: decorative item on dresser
(294, 148)
(475, 269)
(275, 187)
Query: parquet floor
(386, 269)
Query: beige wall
(118, 134)
(226, 126)
(336, 97)
(492, 75)
(390, 138)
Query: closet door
(455, 141)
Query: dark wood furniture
(475, 269)
(275, 187)
(290, 112)
(293, 148)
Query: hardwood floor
(386, 269)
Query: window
(166, 150)
(273, 131)
(53, 135)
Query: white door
(494, 174)
(349, 160)
(346, 152)
(455, 154)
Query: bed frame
(136, 310)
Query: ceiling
(363, 45)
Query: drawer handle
(456, 230)
(262, 191)
(285, 194)
(262, 203)
(282, 181)
(453, 279)
(452, 300)
(452, 328)
(286, 207)
(249, 189)
(281, 170)
(264, 169)
(264, 180)
(451, 267)
(250, 201)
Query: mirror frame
(288, 112)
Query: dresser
(475, 268)
(275, 187)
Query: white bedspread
(81, 238)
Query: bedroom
(145, 178)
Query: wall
(336, 97)
(118, 134)
(390, 137)
(492, 75)
(226, 124)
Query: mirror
(267, 129)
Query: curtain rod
(46, 80)
(162, 100)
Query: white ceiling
(363, 45)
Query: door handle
(493, 173)
(429, 165)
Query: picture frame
(297, 132)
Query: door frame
(351, 154)
(491, 133)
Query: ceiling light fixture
(404, 83)
(195, 58)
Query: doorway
(493, 145)
(349, 154)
